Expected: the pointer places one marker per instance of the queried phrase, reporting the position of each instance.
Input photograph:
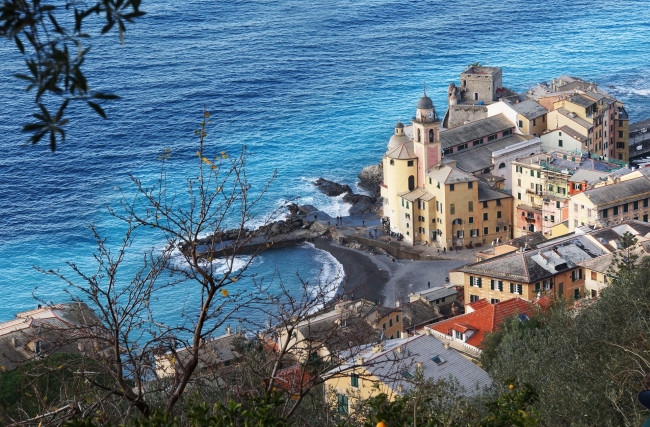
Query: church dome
(425, 103)
(398, 138)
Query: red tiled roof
(293, 379)
(484, 320)
(477, 305)
(462, 327)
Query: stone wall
(459, 114)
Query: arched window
(457, 221)
(502, 165)
(411, 183)
(475, 96)
(418, 135)
(430, 135)
(392, 162)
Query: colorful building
(427, 198)
(391, 366)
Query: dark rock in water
(331, 188)
(370, 179)
(360, 203)
(301, 210)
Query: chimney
(360, 361)
(399, 349)
(447, 346)
(379, 347)
(397, 303)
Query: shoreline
(381, 278)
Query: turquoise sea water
(311, 88)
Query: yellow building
(428, 199)
(391, 366)
(617, 200)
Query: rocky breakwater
(370, 179)
(300, 226)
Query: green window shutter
(512, 286)
(492, 284)
(501, 285)
(520, 289)
(478, 282)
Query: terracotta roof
(293, 379)
(484, 320)
(477, 305)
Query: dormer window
(459, 336)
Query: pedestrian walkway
(367, 228)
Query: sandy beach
(381, 279)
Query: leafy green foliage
(54, 55)
(41, 385)
(586, 364)
(514, 407)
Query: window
(604, 213)
(459, 336)
(471, 219)
(383, 326)
(559, 143)
(501, 285)
(521, 124)
(473, 298)
(532, 173)
(451, 187)
(418, 140)
(620, 134)
(390, 323)
(342, 403)
(497, 229)
(460, 234)
(552, 218)
(636, 205)
(485, 204)
(516, 289)
(485, 231)
(354, 380)
(492, 137)
(470, 205)
(615, 210)
(475, 96)
(494, 301)
(625, 208)
(576, 275)
(492, 284)
(498, 202)
(430, 135)
(392, 162)
(397, 318)
(594, 275)
(438, 360)
(502, 165)
(498, 214)
(539, 175)
(534, 122)
(557, 205)
(576, 293)
(409, 163)
(470, 185)
(620, 145)
(537, 288)
(485, 216)
(645, 203)
(429, 180)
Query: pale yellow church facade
(427, 198)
